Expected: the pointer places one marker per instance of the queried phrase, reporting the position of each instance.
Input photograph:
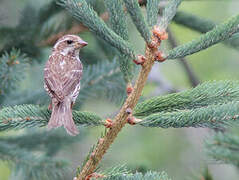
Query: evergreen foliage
(31, 153)
(209, 93)
(224, 147)
(29, 167)
(85, 14)
(49, 143)
(22, 116)
(152, 12)
(119, 26)
(140, 176)
(168, 13)
(193, 22)
(103, 79)
(212, 116)
(202, 25)
(220, 33)
(134, 10)
(115, 171)
(11, 66)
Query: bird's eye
(69, 41)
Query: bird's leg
(131, 119)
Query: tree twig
(190, 73)
(120, 120)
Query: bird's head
(69, 44)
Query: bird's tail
(62, 115)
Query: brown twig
(120, 120)
(190, 73)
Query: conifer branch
(139, 176)
(22, 116)
(115, 171)
(117, 17)
(27, 166)
(152, 12)
(49, 142)
(191, 21)
(121, 118)
(202, 25)
(206, 94)
(220, 33)
(212, 116)
(168, 13)
(85, 14)
(38, 97)
(135, 12)
(102, 79)
(224, 147)
(11, 67)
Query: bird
(62, 75)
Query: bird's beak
(83, 43)
(80, 44)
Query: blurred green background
(179, 152)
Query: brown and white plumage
(62, 75)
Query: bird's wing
(51, 82)
(64, 80)
(71, 80)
